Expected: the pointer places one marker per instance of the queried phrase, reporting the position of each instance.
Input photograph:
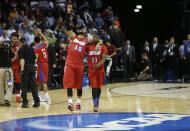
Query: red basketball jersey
(14, 49)
(76, 52)
(94, 57)
(41, 51)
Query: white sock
(70, 101)
(78, 101)
(46, 94)
(39, 94)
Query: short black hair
(14, 34)
(37, 39)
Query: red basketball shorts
(73, 77)
(96, 78)
(42, 72)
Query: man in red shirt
(73, 73)
(96, 59)
(16, 65)
(42, 64)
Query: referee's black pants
(28, 80)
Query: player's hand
(38, 32)
(54, 65)
(97, 66)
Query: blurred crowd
(56, 19)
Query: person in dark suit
(171, 57)
(128, 58)
(155, 56)
(146, 48)
(51, 63)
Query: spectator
(182, 62)
(6, 8)
(145, 48)
(13, 15)
(117, 37)
(99, 22)
(187, 54)
(87, 17)
(146, 73)
(97, 4)
(29, 36)
(22, 17)
(155, 56)
(128, 57)
(50, 19)
(171, 57)
(80, 21)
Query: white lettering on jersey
(82, 43)
(95, 52)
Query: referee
(27, 61)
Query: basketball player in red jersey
(73, 74)
(96, 73)
(42, 64)
(16, 65)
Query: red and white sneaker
(78, 107)
(18, 99)
(71, 107)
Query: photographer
(6, 74)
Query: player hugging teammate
(96, 59)
(74, 68)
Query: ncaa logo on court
(102, 122)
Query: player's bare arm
(39, 32)
(22, 63)
(102, 61)
(71, 34)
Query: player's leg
(68, 83)
(46, 94)
(93, 83)
(17, 77)
(100, 82)
(38, 80)
(70, 100)
(44, 80)
(78, 78)
(95, 98)
(79, 95)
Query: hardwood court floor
(121, 97)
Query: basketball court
(142, 106)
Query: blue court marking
(101, 122)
